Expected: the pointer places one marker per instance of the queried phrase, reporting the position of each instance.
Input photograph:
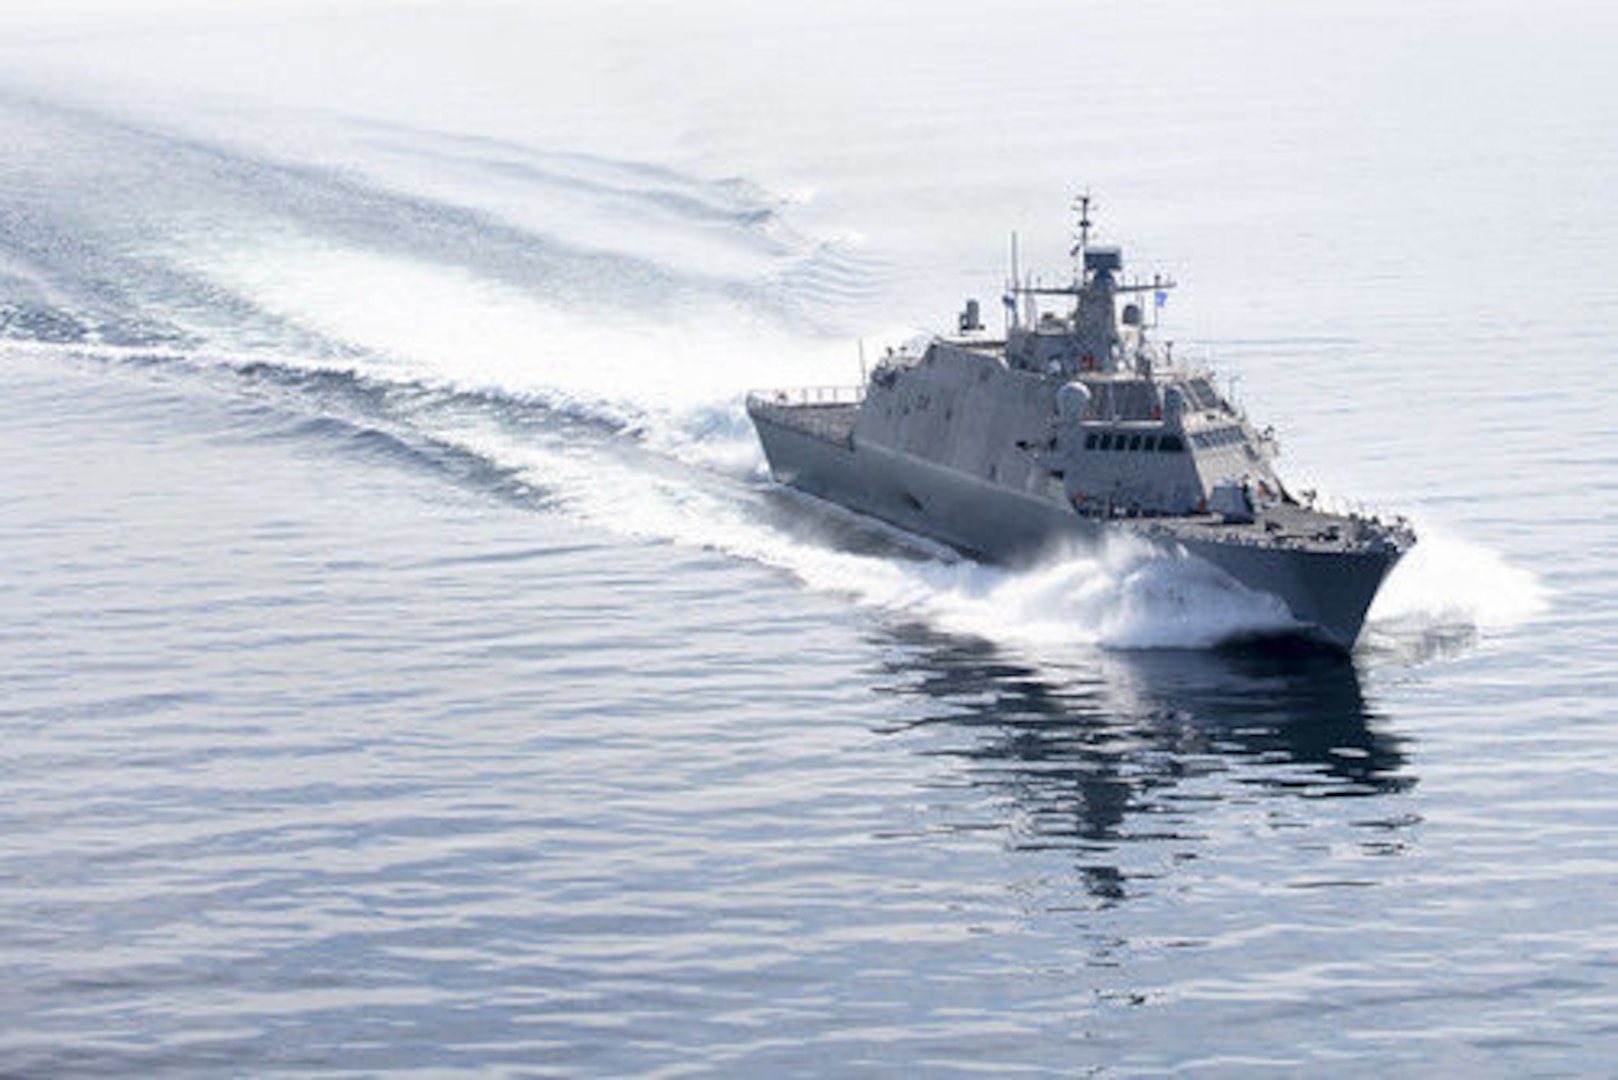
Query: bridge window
(1106, 442)
(1202, 394)
(1090, 441)
(1150, 444)
(1171, 444)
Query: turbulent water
(409, 666)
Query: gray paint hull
(1327, 592)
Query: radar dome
(1072, 401)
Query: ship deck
(829, 416)
(1279, 526)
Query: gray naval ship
(1071, 426)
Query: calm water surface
(407, 669)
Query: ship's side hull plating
(979, 518)
(1327, 592)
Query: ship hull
(978, 518)
(1327, 592)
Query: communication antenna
(1012, 287)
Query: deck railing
(799, 396)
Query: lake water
(409, 667)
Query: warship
(1071, 426)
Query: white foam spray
(1446, 581)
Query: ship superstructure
(1070, 424)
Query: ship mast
(1082, 205)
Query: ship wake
(551, 356)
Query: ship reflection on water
(1136, 750)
